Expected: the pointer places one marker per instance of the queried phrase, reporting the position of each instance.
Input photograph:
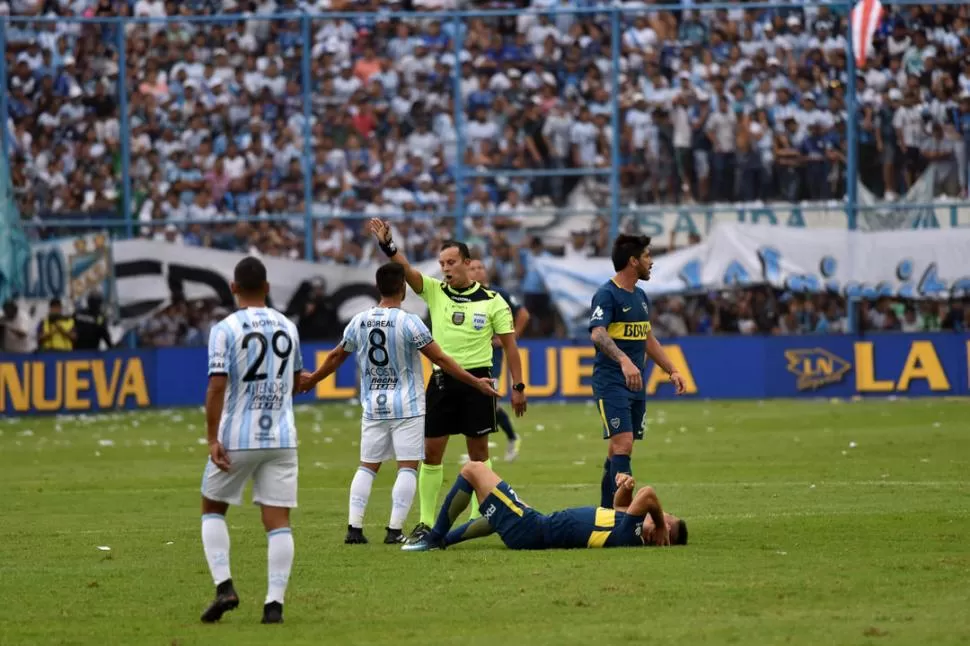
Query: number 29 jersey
(258, 350)
(387, 342)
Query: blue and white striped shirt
(387, 342)
(258, 349)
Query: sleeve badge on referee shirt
(457, 318)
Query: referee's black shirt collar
(474, 285)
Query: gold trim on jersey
(605, 518)
(498, 493)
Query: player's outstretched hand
(217, 452)
(625, 481)
(518, 403)
(486, 385)
(678, 381)
(380, 230)
(305, 383)
(634, 380)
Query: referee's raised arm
(382, 232)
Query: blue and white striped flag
(14, 246)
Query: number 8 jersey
(387, 342)
(258, 350)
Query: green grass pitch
(810, 523)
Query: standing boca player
(254, 368)
(620, 329)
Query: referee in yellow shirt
(464, 318)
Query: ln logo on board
(816, 367)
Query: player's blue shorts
(519, 526)
(622, 414)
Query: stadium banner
(80, 382)
(922, 264)
(909, 264)
(910, 365)
(68, 269)
(873, 214)
(148, 272)
(914, 210)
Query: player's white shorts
(384, 439)
(273, 471)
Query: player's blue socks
(455, 503)
(472, 529)
(606, 486)
(618, 464)
(504, 423)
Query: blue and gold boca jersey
(592, 527)
(513, 302)
(498, 353)
(626, 317)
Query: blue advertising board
(913, 365)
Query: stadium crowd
(715, 105)
(749, 312)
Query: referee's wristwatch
(519, 387)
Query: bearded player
(620, 329)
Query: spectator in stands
(830, 320)
(56, 332)
(15, 326)
(91, 326)
(957, 316)
(912, 321)
(318, 317)
(722, 131)
(668, 318)
(535, 295)
(939, 155)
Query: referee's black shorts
(455, 408)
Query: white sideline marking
(585, 485)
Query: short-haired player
(387, 341)
(254, 368)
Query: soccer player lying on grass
(635, 520)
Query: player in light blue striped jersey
(386, 341)
(254, 370)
